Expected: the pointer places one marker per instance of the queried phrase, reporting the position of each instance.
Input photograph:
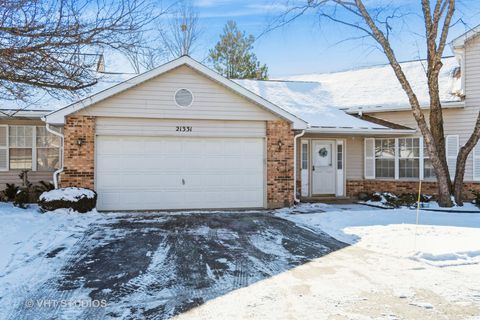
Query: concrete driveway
(155, 266)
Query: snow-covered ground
(441, 238)
(28, 236)
(393, 268)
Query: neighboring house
(182, 137)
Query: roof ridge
(277, 80)
(365, 67)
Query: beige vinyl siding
(167, 127)
(354, 158)
(155, 99)
(34, 177)
(456, 122)
(472, 72)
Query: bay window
(33, 148)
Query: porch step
(328, 199)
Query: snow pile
(67, 194)
(448, 259)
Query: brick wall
(279, 164)
(399, 187)
(79, 160)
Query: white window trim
(422, 159)
(7, 148)
(34, 147)
(397, 159)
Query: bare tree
(376, 23)
(182, 32)
(53, 45)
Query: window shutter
(369, 158)
(452, 152)
(476, 163)
(3, 148)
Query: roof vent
(183, 98)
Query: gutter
(57, 172)
(360, 131)
(295, 198)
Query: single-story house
(181, 136)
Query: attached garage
(179, 137)
(144, 172)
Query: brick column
(279, 164)
(79, 152)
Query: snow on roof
(460, 41)
(42, 102)
(377, 88)
(307, 100)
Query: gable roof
(376, 88)
(58, 116)
(305, 99)
(459, 42)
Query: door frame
(334, 164)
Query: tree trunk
(462, 159)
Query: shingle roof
(377, 88)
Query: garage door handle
(313, 168)
(183, 181)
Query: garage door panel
(140, 173)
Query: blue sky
(310, 45)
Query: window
(339, 156)
(20, 140)
(385, 158)
(33, 148)
(409, 157)
(48, 150)
(428, 171)
(304, 156)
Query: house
(183, 137)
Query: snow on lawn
(29, 236)
(441, 239)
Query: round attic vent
(183, 98)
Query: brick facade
(399, 187)
(280, 138)
(79, 152)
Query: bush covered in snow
(78, 199)
(391, 200)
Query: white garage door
(148, 173)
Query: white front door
(323, 167)
(148, 173)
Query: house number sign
(183, 129)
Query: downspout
(295, 198)
(57, 172)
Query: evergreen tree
(233, 57)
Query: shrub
(10, 192)
(21, 199)
(78, 199)
(476, 201)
